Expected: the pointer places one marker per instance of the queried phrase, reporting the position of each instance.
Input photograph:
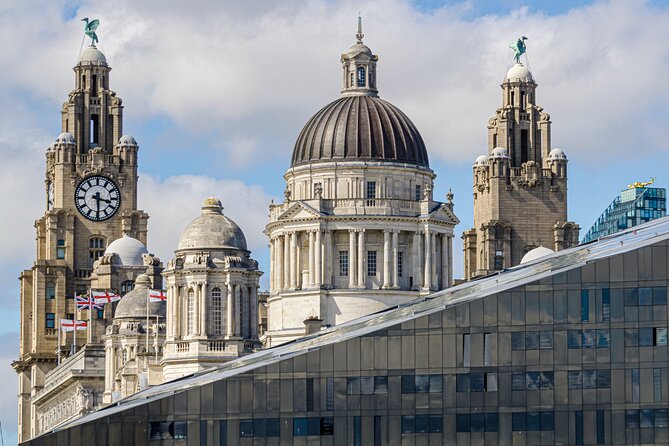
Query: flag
(104, 297)
(84, 303)
(69, 324)
(157, 296)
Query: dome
(359, 48)
(212, 230)
(129, 250)
(499, 152)
(481, 160)
(362, 128)
(127, 140)
(557, 154)
(133, 304)
(518, 72)
(536, 253)
(93, 55)
(66, 138)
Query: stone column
(278, 264)
(396, 234)
(361, 259)
(293, 260)
(433, 244)
(272, 265)
(198, 304)
(311, 266)
(450, 260)
(387, 279)
(444, 261)
(253, 305)
(417, 274)
(178, 313)
(204, 310)
(427, 280)
(329, 259)
(285, 261)
(238, 310)
(318, 271)
(229, 317)
(351, 258)
(169, 316)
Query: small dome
(557, 154)
(127, 140)
(536, 253)
(129, 250)
(93, 55)
(518, 72)
(499, 152)
(359, 48)
(66, 138)
(481, 160)
(212, 230)
(133, 304)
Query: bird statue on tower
(518, 48)
(89, 29)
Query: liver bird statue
(89, 29)
(518, 48)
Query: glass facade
(574, 355)
(631, 208)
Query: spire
(359, 35)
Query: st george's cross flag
(84, 303)
(69, 325)
(105, 297)
(157, 296)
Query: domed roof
(536, 253)
(66, 138)
(499, 152)
(481, 160)
(133, 304)
(129, 250)
(93, 55)
(557, 154)
(359, 48)
(360, 128)
(518, 72)
(212, 230)
(127, 140)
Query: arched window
(96, 248)
(127, 286)
(361, 76)
(190, 329)
(50, 291)
(216, 312)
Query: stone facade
(520, 187)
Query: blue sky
(217, 92)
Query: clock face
(97, 198)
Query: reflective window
(380, 385)
(606, 305)
(660, 296)
(343, 263)
(216, 311)
(631, 296)
(632, 419)
(661, 418)
(50, 290)
(574, 339)
(661, 336)
(645, 296)
(50, 321)
(585, 306)
(165, 430)
(371, 263)
(361, 76)
(313, 426)
(647, 418)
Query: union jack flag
(84, 303)
(105, 297)
(157, 296)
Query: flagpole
(76, 315)
(156, 339)
(90, 316)
(148, 293)
(59, 328)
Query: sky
(216, 93)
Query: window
(329, 393)
(357, 434)
(310, 395)
(50, 321)
(661, 336)
(532, 381)
(657, 385)
(100, 313)
(371, 193)
(191, 312)
(127, 286)
(635, 385)
(465, 350)
(645, 296)
(422, 424)
(343, 263)
(367, 385)
(352, 79)
(600, 427)
(216, 312)
(660, 296)
(532, 340)
(353, 386)
(400, 265)
(50, 291)
(487, 349)
(578, 425)
(381, 385)
(164, 430)
(632, 419)
(606, 305)
(589, 379)
(259, 427)
(533, 421)
(585, 306)
(477, 422)
(96, 249)
(361, 76)
(313, 426)
(418, 197)
(371, 263)
(60, 249)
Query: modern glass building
(632, 207)
(567, 349)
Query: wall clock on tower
(97, 198)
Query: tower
(91, 200)
(520, 187)
(359, 230)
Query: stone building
(359, 230)
(568, 349)
(212, 288)
(90, 200)
(520, 186)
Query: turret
(359, 68)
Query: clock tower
(91, 200)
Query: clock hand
(97, 200)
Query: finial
(359, 35)
(449, 197)
(89, 29)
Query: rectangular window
(422, 383)
(547, 421)
(246, 428)
(635, 385)
(329, 393)
(400, 263)
(436, 424)
(60, 249)
(578, 416)
(632, 419)
(357, 434)
(657, 385)
(381, 385)
(631, 337)
(371, 263)
(645, 296)
(377, 430)
(600, 427)
(491, 422)
(353, 385)
(588, 338)
(646, 418)
(589, 379)
(101, 314)
(585, 306)
(371, 190)
(661, 418)
(575, 380)
(518, 340)
(422, 424)
(343, 263)
(606, 305)
(661, 336)
(408, 384)
(367, 385)
(409, 424)
(646, 337)
(546, 340)
(313, 426)
(310, 394)
(477, 382)
(533, 421)
(180, 430)
(418, 197)
(532, 341)
(631, 297)
(604, 338)
(487, 349)
(491, 382)
(574, 339)
(476, 422)
(50, 320)
(518, 421)
(518, 381)
(462, 382)
(660, 296)
(603, 379)
(436, 384)
(465, 350)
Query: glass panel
(381, 385)
(657, 385)
(632, 419)
(533, 381)
(367, 385)
(661, 418)
(518, 421)
(647, 418)
(631, 337)
(273, 427)
(578, 418)
(547, 421)
(606, 305)
(180, 430)
(357, 434)
(491, 382)
(661, 336)
(575, 380)
(465, 350)
(645, 296)
(491, 422)
(422, 424)
(518, 340)
(408, 384)
(635, 385)
(660, 296)
(477, 382)
(603, 338)
(477, 422)
(327, 426)
(646, 337)
(574, 339)
(462, 382)
(533, 421)
(329, 394)
(461, 421)
(546, 340)
(353, 386)
(299, 427)
(436, 424)
(603, 379)
(631, 297)
(409, 422)
(436, 384)
(518, 381)
(585, 306)
(589, 379)
(422, 383)
(313, 426)
(546, 380)
(600, 427)
(259, 428)
(532, 340)
(589, 338)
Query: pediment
(299, 211)
(443, 213)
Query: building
(90, 201)
(635, 205)
(520, 186)
(212, 288)
(359, 230)
(568, 349)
